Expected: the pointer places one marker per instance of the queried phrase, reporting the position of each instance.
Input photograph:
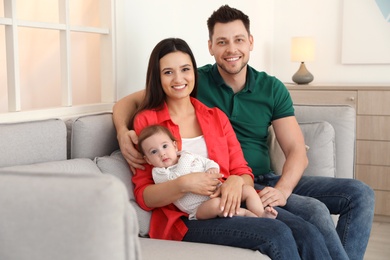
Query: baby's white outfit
(188, 162)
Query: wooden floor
(379, 244)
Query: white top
(196, 145)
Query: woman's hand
(127, 141)
(231, 195)
(201, 183)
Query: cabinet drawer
(373, 128)
(322, 97)
(377, 177)
(373, 152)
(374, 102)
(382, 203)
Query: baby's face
(160, 150)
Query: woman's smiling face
(177, 75)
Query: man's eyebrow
(220, 38)
(235, 36)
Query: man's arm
(290, 138)
(123, 111)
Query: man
(238, 90)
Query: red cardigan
(222, 147)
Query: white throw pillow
(320, 139)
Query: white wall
(322, 20)
(141, 24)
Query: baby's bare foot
(269, 212)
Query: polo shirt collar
(250, 77)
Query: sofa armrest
(66, 216)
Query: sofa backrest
(32, 142)
(94, 136)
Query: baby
(159, 148)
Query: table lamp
(302, 49)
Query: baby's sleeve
(160, 175)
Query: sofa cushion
(343, 120)
(76, 166)
(116, 165)
(32, 142)
(168, 249)
(320, 139)
(92, 136)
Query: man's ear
(251, 41)
(210, 44)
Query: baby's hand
(213, 170)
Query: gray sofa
(66, 191)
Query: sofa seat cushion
(32, 142)
(75, 166)
(165, 249)
(321, 153)
(116, 165)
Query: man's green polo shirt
(251, 111)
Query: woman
(169, 101)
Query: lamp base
(302, 76)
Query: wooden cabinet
(372, 104)
(322, 97)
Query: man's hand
(127, 142)
(272, 197)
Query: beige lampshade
(302, 49)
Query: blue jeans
(297, 239)
(351, 199)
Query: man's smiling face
(231, 45)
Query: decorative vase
(302, 76)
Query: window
(57, 58)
